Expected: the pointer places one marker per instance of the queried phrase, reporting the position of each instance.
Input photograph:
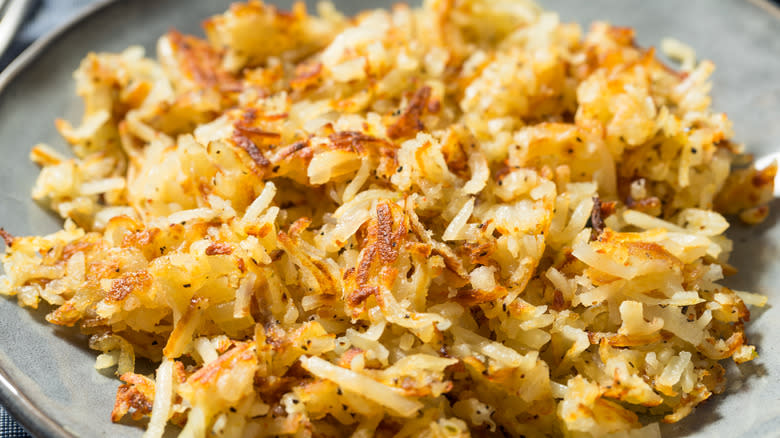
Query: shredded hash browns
(463, 219)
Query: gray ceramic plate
(46, 375)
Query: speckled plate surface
(47, 379)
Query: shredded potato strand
(462, 219)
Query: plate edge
(23, 410)
(772, 8)
(34, 49)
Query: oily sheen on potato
(462, 219)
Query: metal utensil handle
(12, 18)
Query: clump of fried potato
(467, 218)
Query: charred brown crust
(471, 297)
(306, 75)
(360, 295)
(355, 141)
(409, 123)
(650, 205)
(135, 396)
(388, 248)
(202, 62)
(128, 283)
(596, 222)
(246, 143)
(219, 248)
(7, 238)
(293, 149)
(239, 353)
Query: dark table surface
(42, 17)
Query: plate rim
(32, 418)
(36, 422)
